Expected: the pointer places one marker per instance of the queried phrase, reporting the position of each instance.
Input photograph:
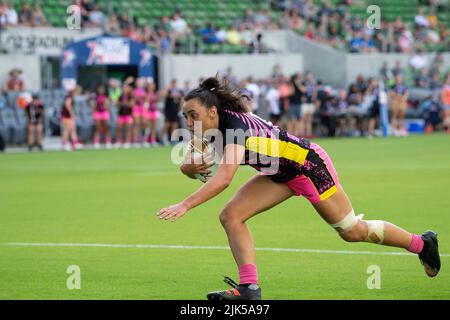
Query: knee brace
(375, 228)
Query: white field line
(162, 246)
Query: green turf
(111, 197)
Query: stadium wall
(192, 67)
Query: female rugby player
(304, 168)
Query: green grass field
(111, 197)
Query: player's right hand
(190, 169)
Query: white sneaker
(146, 145)
(67, 147)
(109, 145)
(126, 146)
(117, 145)
(97, 145)
(78, 146)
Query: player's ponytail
(220, 93)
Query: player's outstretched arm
(233, 155)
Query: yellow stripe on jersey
(276, 148)
(328, 193)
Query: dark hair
(220, 93)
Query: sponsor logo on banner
(109, 51)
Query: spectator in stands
(405, 41)
(221, 34)
(361, 83)
(245, 34)
(418, 60)
(12, 19)
(356, 42)
(178, 25)
(262, 17)
(172, 104)
(255, 92)
(26, 15)
(14, 82)
(373, 91)
(308, 105)
(35, 116)
(437, 64)
(165, 24)
(150, 37)
(432, 113)
(39, 19)
(233, 37)
(113, 25)
(420, 19)
(325, 102)
(367, 44)
(398, 69)
(257, 45)
(341, 109)
(230, 76)
(422, 80)
(385, 74)
(208, 34)
(294, 112)
(310, 32)
(248, 19)
(273, 99)
(399, 105)
(97, 18)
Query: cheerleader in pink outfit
(152, 112)
(125, 119)
(101, 117)
(139, 113)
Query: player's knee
(229, 216)
(357, 233)
(355, 229)
(226, 216)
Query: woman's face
(195, 112)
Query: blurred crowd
(328, 23)
(26, 15)
(143, 115)
(334, 25)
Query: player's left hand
(173, 212)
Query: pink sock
(248, 274)
(416, 245)
(96, 139)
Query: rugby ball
(201, 151)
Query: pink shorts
(153, 114)
(124, 120)
(99, 116)
(320, 180)
(139, 111)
